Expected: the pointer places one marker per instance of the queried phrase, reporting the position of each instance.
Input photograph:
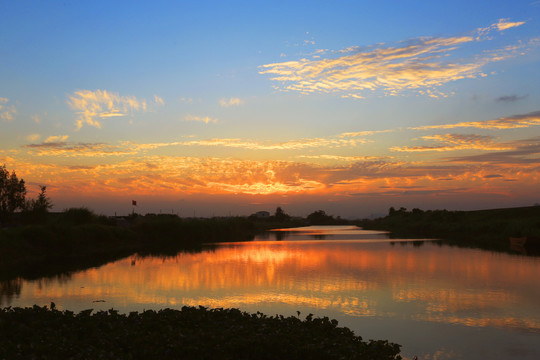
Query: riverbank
(488, 229)
(78, 239)
(189, 333)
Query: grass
(189, 333)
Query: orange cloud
(187, 175)
(104, 170)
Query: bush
(78, 216)
(190, 333)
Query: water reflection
(9, 289)
(349, 276)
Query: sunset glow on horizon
(210, 108)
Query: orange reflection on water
(433, 283)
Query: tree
(320, 217)
(281, 216)
(42, 203)
(36, 210)
(12, 194)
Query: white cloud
(94, 105)
(421, 65)
(7, 112)
(204, 119)
(234, 101)
(158, 100)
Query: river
(438, 302)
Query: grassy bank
(484, 228)
(190, 333)
(46, 250)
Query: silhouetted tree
(281, 216)
(36, 210)
(393, 212)
(319, 217)
(12, 194)
(79, 216)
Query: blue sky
(347, 106)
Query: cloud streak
(453, 142)
(57, 146)
(421, 65)
(524, 153)
(287, 145)
(510, 122)
(510, 98)
(364, 133)
(204, 119)
(343, 158)
(254, 145)
(503, 24)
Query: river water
(438, 302)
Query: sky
(212, 108)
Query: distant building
(262, 214)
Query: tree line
(13, 200)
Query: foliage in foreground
(190, 333)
